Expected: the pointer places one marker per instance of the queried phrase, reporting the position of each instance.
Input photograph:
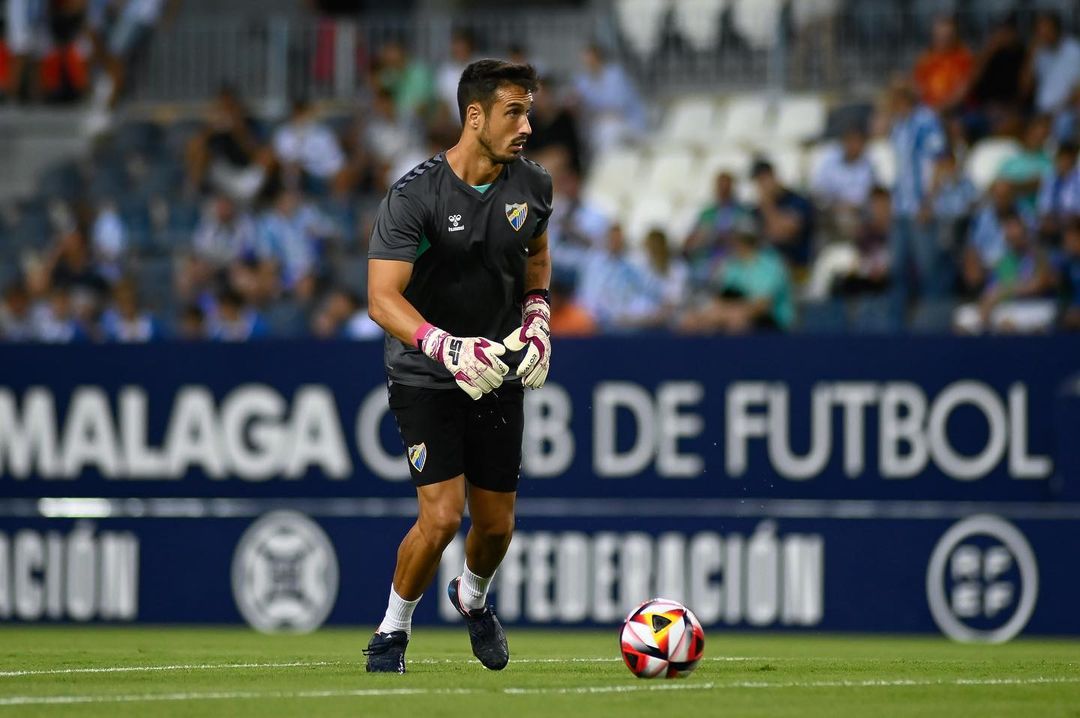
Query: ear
(473, 114)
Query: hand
(535, 334)
(472, 361)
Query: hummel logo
(455, 223)
(455, 350)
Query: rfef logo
(982, 581)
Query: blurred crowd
(259, 229)
(61, 51)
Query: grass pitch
(232, 672)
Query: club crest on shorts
(516, 214)
(418, 456)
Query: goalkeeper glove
(536, 336)
(472, 361)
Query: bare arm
(538, 265)
(387, 305)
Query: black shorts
(446, 434)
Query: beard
(494, 155)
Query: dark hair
(1068, 148)
(761, 166)
(482, 79)
(879, 192)
(1053, 17)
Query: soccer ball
(661, 638)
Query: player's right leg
(429, 422)
(440, 509)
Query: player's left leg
(492, 466)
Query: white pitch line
(581, 690)
(173, 667)
(309, 664)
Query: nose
(525, 128)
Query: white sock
(473, 589)
(398, 614)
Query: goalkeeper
(458, 273)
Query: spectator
(555, 135)
(131, 32)
(234, 320)
(1069, 270)
(228, 154)
(224, 239)
(611, 106)
(949, 206)
(125, 321)
(986, 242)
(309, 152)
(71, 265)
(576, 227)
(55, 320)
(65, 75)
(942, 72)
(344, 315)
(25, 34)
(1059, 194)
(858, 264)
(108, 235)
(710, 239)
(917, 139)
(786, 218)
(668, 276)
(844, 176)
(613, 289)
(409, 81)
(16, 320)
(1017, 296)
(1026, 169)
(386, 136)
(752, 290)
(192, 325)
(290, 239)
(448, 74)
(996, 88)
(1052, 72)
(568, 318)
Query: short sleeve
(546, 194)
(399, 225)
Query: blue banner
(763, 417)
(781, 483)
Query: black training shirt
(468, 249)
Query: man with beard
(458, 260)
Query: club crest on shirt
(516, 214)
(418, 456)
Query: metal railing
(272, 58)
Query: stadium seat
(800, 118)
(883, 159)
(285, 318)
(933, 317)
(689, 120)
(155, 278)
(698, 22)
(62, 181)
(825, 317)
(844, 116)
(139, 136)
(668, 173)
(640, 24)
(648, 213)
(615, 176)
(746, 120)
(873, 315)
(757, 21)
(789, 163)
(986, 158)
(733, 160)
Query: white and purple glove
(472, 361)
(534, 334)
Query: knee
(495, 529)
(441, 525)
